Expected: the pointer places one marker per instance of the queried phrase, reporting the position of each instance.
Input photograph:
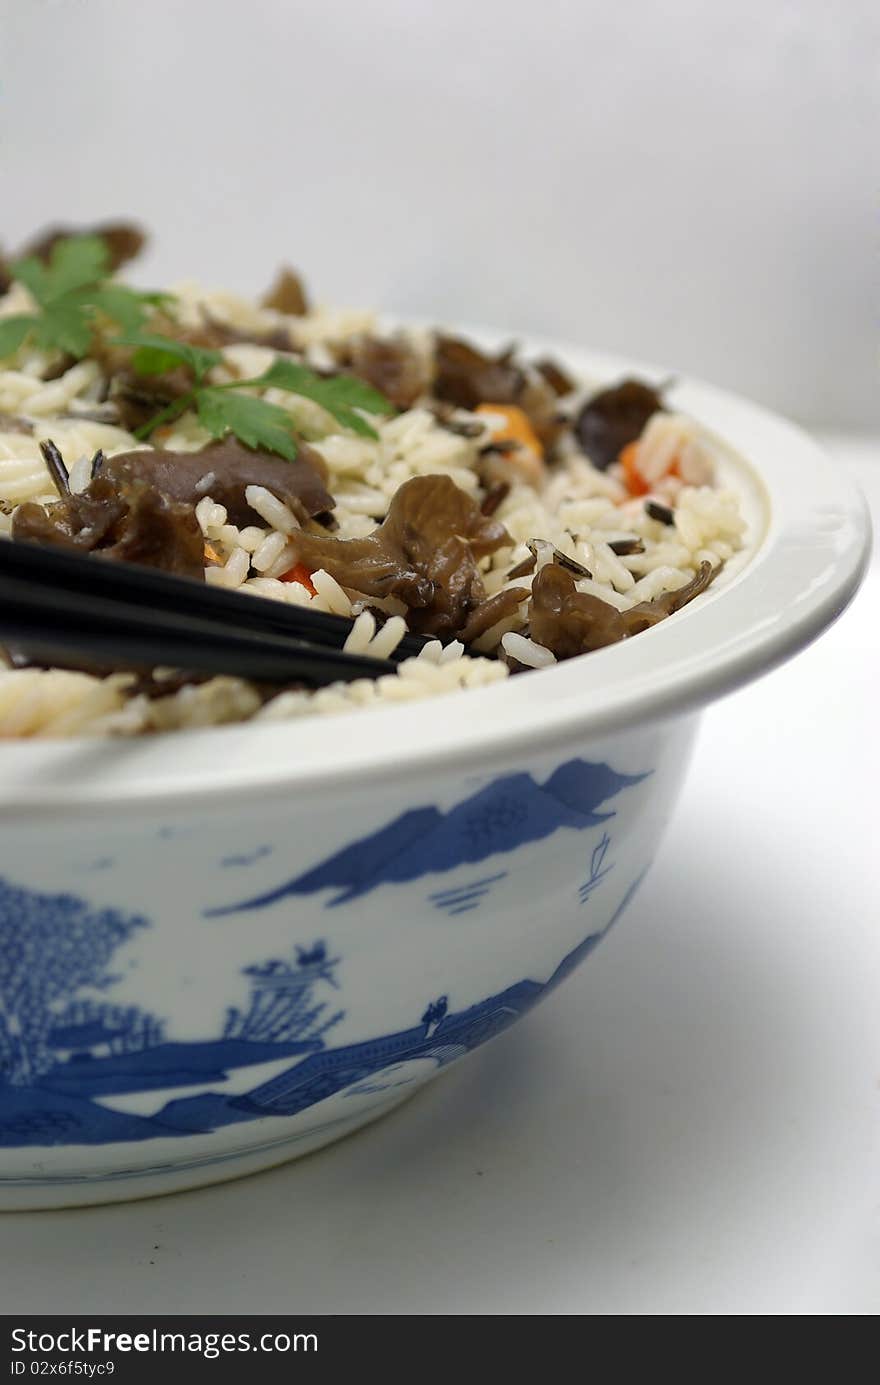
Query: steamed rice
(576, 509)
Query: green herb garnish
(223, 409)
(71, 291)
(253, 421)
(340, 395)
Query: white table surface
(690, 1126)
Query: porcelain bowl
(225, 948)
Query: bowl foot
(43, 1194)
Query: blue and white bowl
(225, 948)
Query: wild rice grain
(625, 548)
(661, 513)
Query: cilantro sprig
(340, 395)
(71, 293)
(223, 409)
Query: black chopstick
(88, 610)
(87, 630)
(56, 569)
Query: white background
(693, 1124)
(681, 180)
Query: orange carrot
(633, 478)
(299, 573)
(517, 426)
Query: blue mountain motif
(499, 818)
(94, 1051)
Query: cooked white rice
(578, 509)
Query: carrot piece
(299, 573)
(517, 426)
(633, 478)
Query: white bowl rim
(807, 567)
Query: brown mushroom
(132, 523)
(613, 418)
(570, 622)
(425, 552)
(224, 470)
(286, 294)
(392, 366)
(468, 377)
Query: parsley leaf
(340, 395)
(121, 305)
(63, 326)
(155, 355)
(223, 409)
(253, 421)
(69, 291)
(34, 275)
(74, 264)
(13, 331)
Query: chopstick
(62, 569)
(188, 644)
(61, 607)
